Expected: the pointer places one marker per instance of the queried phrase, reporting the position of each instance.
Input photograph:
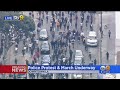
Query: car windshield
(45, 43)
(46, 58)
(92, 37)
(43, 33)
(45, 46)
(77, 62)
(79, 53)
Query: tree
(26, 25)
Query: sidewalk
(108, 44)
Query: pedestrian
(60, 24)
(23, 52)
(91, 27)
(91, 18)
(16, 50)
(107, 55)
(86, 47)
(43, 14)
(109, 33)
(52, 44)
(65, 50)
(27, 62)
(25, 48)
(24, 42)
(76, 17)
(81, 25)
(30, 45)
(64, 26)
(53, 57)
(15, 61)
(71, 21)
(73, 43)
(90, 55)
(86, 23)
(101, 33)
(75, 25)
(88, 18)
(33, 62)
(68, 26)
(83, 40)
(95, 62)
(69, 45)
(32, 15)
(70, 52)
(47, 18)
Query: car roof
(45, 42)
(78, 59)
(92, 33)
(45, 64)
(79, 51)
(46, 55)
(43, 30)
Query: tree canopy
(26, 25)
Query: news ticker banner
(23, 69)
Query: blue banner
(100, 68)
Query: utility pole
(101, 42)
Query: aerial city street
(61, 38)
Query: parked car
(92, 39)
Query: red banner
(15, 69)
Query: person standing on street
(27, 62)
(86, 23)
(90, 55)
(15, 61)
(95, 62)
(71, 53)
(23, 52)
(81, 25)
(76, 25)
(109, 33)
(86, 47)
(107, 55)
(52, 44)
(101, 33)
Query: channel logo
(16, 18)
(105, 69)
(108, 68)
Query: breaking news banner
(103, 69)
(23, 69)
(14, 69)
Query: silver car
(78, 57)
(46, 59)
(92, 39)
(45, 49)
(43, 35)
